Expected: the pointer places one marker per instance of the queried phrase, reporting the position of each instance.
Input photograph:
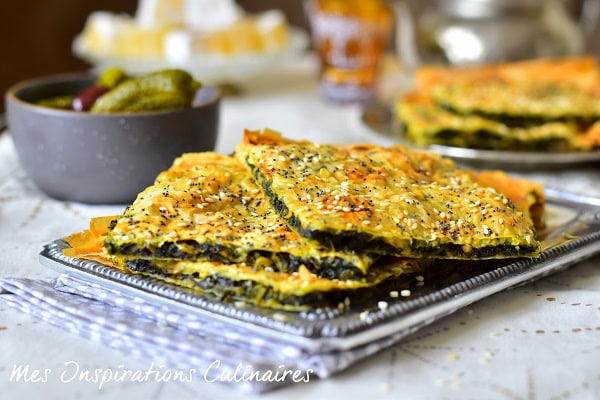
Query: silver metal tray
(572, 235)
(379, 117)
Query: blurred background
(36, 39)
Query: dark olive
(84, 100)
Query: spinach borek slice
(207, 206)
(528, 102)
(389, 200)
(425, 123)
(301, 290)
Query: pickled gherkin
(111, 77)
(164, 90)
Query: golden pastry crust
(389, 200)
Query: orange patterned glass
(350, 37)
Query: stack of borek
(297, 225)
(539, 105)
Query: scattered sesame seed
(394, 293)
(383, 305)
(405, 293)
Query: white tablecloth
(539, 341)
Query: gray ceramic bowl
(91, 158)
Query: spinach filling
(522, 121)
(325, 267)
(482, 139)
(222, 289)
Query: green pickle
(58, 102)
(164, 90)
(111, 77)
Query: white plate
(208, 68)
